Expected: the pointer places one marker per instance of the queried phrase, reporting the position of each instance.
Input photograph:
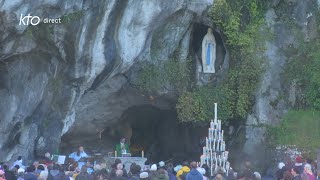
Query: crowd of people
(300, 170)
(45, 169)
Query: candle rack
(214, 153)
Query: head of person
(287, 175)
(36, 164)
(308, 168)
(83, 169)
(144, 175)
(43, 175)
(219, 177)
(19, 158)
(153, 167)
(47, 155)
(5, 167)
(122, 140)
(80, 149)
(281, 165)
(1, 173)
(41, 167)
(21, 172)
(120, 166)
(257, 175)
(119, 172)
(193, 165)
(295, 171)
(162, 164)
(30, 169)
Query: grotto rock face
(56, 78)
(273, 99)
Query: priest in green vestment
(122, 147)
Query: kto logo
(33, 20)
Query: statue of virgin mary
(208, 52)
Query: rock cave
(154, 130)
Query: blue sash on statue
(208, 54)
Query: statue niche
(208, 52)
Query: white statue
(208, 52)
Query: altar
(127, 161)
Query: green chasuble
(118, 149)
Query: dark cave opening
(156, 131)
(159, 133)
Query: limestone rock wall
(54, 77)
(272, 98)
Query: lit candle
(142, 153)
(215, 110)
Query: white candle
(215, 110)
(227, 167)
(211, 124)
(207, 142)
(142, 153)
(214, 144)
(216, 165)
(222, 134)
(212, 129)
(215, 134)
(201, 160)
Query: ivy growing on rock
(169, 75)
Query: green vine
(172, 74)
(241, 22)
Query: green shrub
(172, 74)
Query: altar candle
(214, 144)
(211, 124)
(142, 153)
(115, 153)
(215, 111)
